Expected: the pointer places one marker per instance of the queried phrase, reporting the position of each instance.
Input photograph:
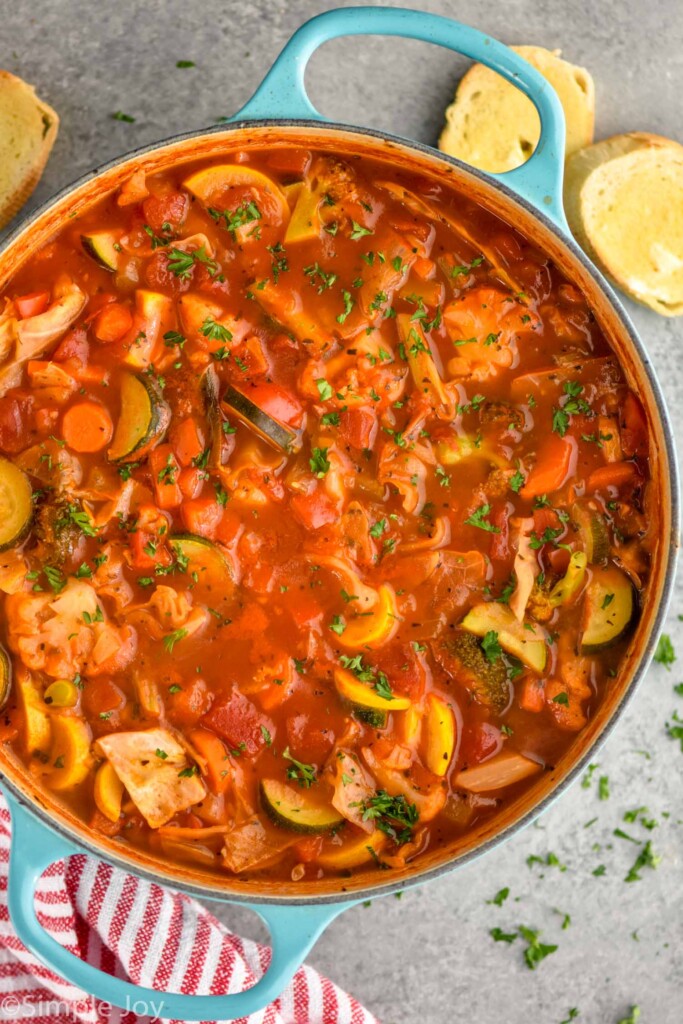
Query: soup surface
(323, 514)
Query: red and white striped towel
(152, 936)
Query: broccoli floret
(462, 657)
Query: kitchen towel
(150, 935)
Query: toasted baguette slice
(493, 126)
(28, 129)
(624, 203)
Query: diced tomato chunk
(633, 428)
(314, 510)
(277, 402)
(305, 610)
(292, 161)
(403, 668)
(229, 527)
(307, 741)
(32, 304)
(73, 347)
(358, 427)
(14, 424)
(480, 740)
(239, 723)
(166, 210)
(191, 481)
(500, 541)
(159, 278)
(146, 551)
(202, 516)
(187, 701)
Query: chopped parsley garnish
(246, 213)
(318, 277)
(517, 481)
(171, 639)
(214, 331)
(78, 517)
(358, 231)
(467, 268)
(279, 264)
(348, 306)
(337, 625)
(324, 389)
(478, 519)
(55, 578)
(304, 774)
(571, 406)
(182, 263)
(365, 674)
(491, 647)
(392, 815)
(319, 462)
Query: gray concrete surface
(429, 957)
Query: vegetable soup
(324, 514)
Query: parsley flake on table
(500, 897)
(665, 654)
(536, 950)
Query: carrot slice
(187, 441)
(552, 468)
(112, 322)
(87, 427)
(214, 752)
(532, 695)
(165, 471)
(614, 474)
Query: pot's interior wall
(223, 144)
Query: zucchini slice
(143, 421)
(211, 572)
(270, 430)
(593, 532)
(5, 677)
(609, 609)
(566, 589)
(16, 505)
(101, 246)
(366, 704)
(513, 636)
(289, 808)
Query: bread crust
(649, 271)
(493, 126)
(28, 129)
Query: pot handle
(282, 93)
(293, 931)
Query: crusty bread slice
(28, 129)
(624, 203)
(493, 126)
